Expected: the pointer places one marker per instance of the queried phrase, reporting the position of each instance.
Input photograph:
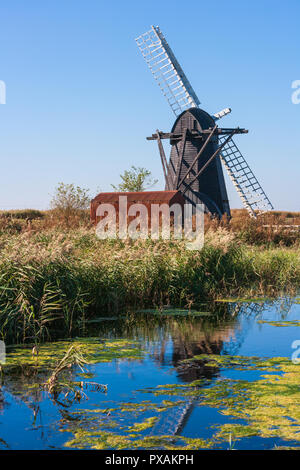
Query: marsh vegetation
(56, 275)
(54, 281)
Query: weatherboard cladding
(139, 196)
(210, 186)
(143, 197)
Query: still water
(174, 379)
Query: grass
(276, 228)
(53, 281)
(25, 214)
(270, 229)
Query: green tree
(69, 200)
(135, 179)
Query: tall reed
(52, 282)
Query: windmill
(198, 145)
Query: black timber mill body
(194, 167)
(209, 187)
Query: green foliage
(53, 282)
(135, 179)
(69, 200)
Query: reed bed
(53, 281)
(276, 228)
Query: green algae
(244, 300)
(52, 367)
(105, 319)
(138, 427)
(146, 405)
(175, 312)
(286, 448)
(130, 407)
(239, 362)
(95, 351)
(96, 428)
(101, 440)
(280, 322)
(268, 407)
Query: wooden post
(163, 159)
(180, 158)
(198, 155)
(216, 153)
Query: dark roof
(142, 196)
(205, 120)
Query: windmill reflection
(185, 338)
(170, 340)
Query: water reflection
(229, 328)
(171, 340)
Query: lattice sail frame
(250, 191)
(181, 96)
(167, 71)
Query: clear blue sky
(80, 99)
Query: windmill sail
(250, 191)
(167, 71)
(221, 114)
(181, 97)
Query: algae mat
(221, 381)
